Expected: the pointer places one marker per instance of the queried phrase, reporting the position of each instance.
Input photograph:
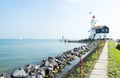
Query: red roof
(99, 27)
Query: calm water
(16, 53)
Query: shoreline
(51, 66)
(73, 69)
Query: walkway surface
(100, 69)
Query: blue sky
(42, 19)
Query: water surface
(15, 53)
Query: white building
(99, 31)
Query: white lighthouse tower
(93, 23)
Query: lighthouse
(98, 31)
(93, 23)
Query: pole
(80, 65)
(99, 49)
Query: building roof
(99, 27)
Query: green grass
(113, 61)
(88, 64)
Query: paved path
(100, 69)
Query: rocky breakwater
(50, 67)
(92, 46)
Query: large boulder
(39, 76)
(3, 75)
(42, 72)
(19, 73)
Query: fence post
(80, 64)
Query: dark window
(106, 30)
(103, 30)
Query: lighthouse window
(106, 30)
(102, 30)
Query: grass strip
(113, 60)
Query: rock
(50, 58)
(19, 73)
(3, 75)
(32, 76)
(28, 68)
(39, 76)
(43, 73)
(37, 67)
(46, 63)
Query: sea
(16, 53)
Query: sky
(52, 19)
